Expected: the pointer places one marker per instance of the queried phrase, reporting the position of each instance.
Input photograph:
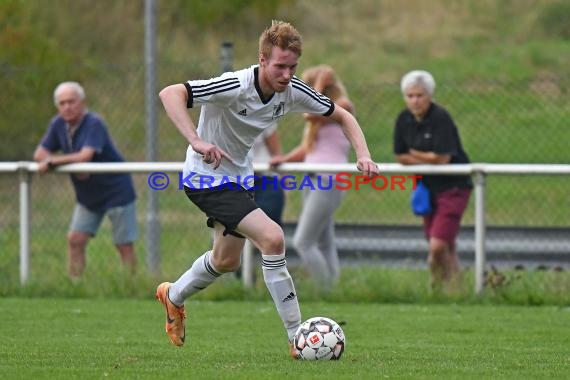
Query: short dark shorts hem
(227, 205)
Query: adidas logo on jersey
(290, 297)
(243, 112)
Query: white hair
(73, 85)
(418, 77)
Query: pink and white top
(331, 146)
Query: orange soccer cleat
(175, 316)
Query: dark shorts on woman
(225, 204)
(448, 208)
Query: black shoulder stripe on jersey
(303, 87)
(300, 83)
(218, 82)
(199, 94)
(215, 87)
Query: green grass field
(55, 338)
(501, 68)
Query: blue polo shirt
(98, 192)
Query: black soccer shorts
(225, 204)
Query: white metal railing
(478, 170)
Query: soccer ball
(319, 338)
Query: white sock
(200, 275)
(280, 286)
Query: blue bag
(420, 200)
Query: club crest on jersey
(278, 110)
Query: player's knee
(274, 241)
(226, 264)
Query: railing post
(479, 231)
(226, 56)
(24, 176)
(152, 214)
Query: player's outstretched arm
(356, 137)
(174, 99)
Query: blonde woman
(323, 142)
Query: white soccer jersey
(233, 114)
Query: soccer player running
(236, 107)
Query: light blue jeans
(314, 238)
